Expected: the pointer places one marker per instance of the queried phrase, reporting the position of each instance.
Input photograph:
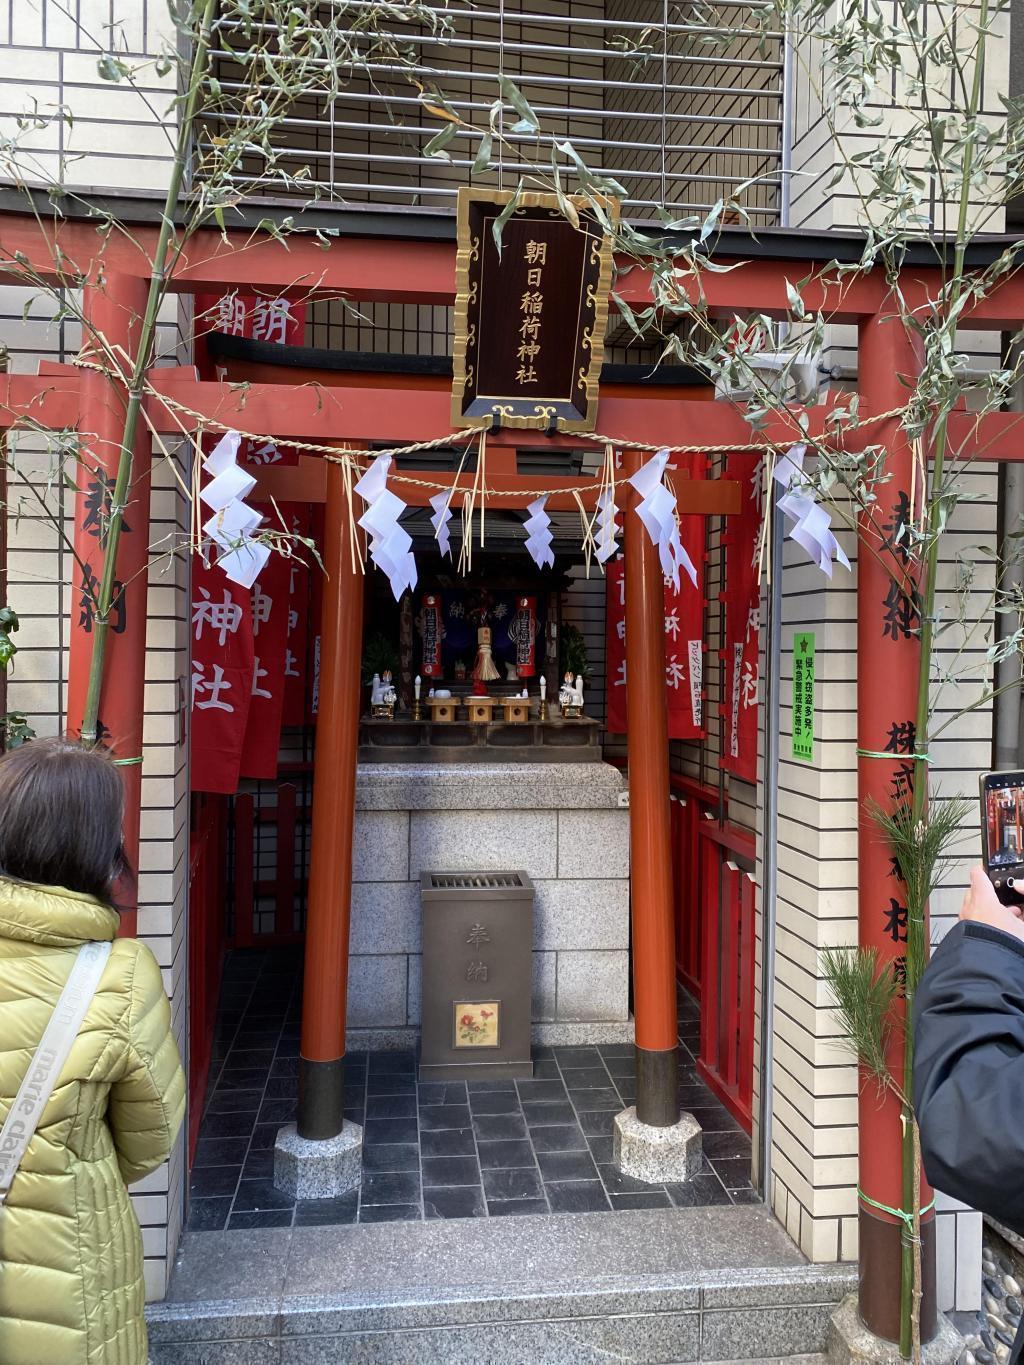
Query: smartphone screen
(1002, 814)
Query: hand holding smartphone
(1002, 834)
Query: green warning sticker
(803, 696)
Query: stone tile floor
(434, 1149)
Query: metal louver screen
(475, 881)
(680, 103)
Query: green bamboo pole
(910, 1325)
(136, 382)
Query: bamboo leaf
(437, 144)
(528, 122)
(498, 226)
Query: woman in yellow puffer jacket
(71, 1285)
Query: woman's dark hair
(61, 805)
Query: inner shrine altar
(566, 826)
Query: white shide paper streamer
(811, 524)
(390, 544)
(538, 534)
(657, 511)
(241, 558)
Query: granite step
(653, 1286)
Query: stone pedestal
(308, 1169)
(656, 1154)
(850, 1343)
(565, 824)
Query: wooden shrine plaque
(530, 323)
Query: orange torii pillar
(113, 306)
(889, 657)
(320, 1155)
(652, 1141)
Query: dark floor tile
(562, 1137)
(597, 1121)
(728, 1144)
(700, 1192)
(259, 1165)
(264, 1135)
(733, 1172)
(616, 1182)
(592, 1100)
(454, 1093)
(538, 1115)
(207, 1181)
(258, 1195)
(617, 1050)
(390, 1130)
(220, 1151)
(498, 1103)
(696, 1095)
(621, 1068)
(234, 1101)
(495, 1154)
(354, 1113)
(462, 1201)
(228, 1125)
(437, 1116)
(451, 1170)
(282, 1087)
(250, 1058)
(257, 1038)
(246, 1219)
(577, 1057)
(512, 1184)
(745, 1197)
(390, 1085)
(390, 1187)
(431, 1092)
(288, 1047)
(577, 1196)
(321, 1212)
(448, 1142)
(537, 1091)
(489, 1088)
(391, 1062)
(389, 1213)
(498, 1127)
(278, 1111)
(714, 1119)
(504, 1208)
(285, 1066)
(391, 1156)
(208, 1215)
(601, 1147)
(541, 1050)
(566, 1166)
(391, 1106)
(646, 1199)
(585, 1078)
(546, 1070)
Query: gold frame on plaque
(467, 252)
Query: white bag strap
(49, 1058)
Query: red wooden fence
(251, 890)
(715, 939)
(205, 945)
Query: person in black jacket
(969, 1059)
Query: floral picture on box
(476, 1023)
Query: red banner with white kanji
(684, 632)
(269, 600)
(684, 654)
(742, 541)
(222, 677)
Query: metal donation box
(477, 975)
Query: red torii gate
(115, 270)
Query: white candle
(543, 687)
(416, 686)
